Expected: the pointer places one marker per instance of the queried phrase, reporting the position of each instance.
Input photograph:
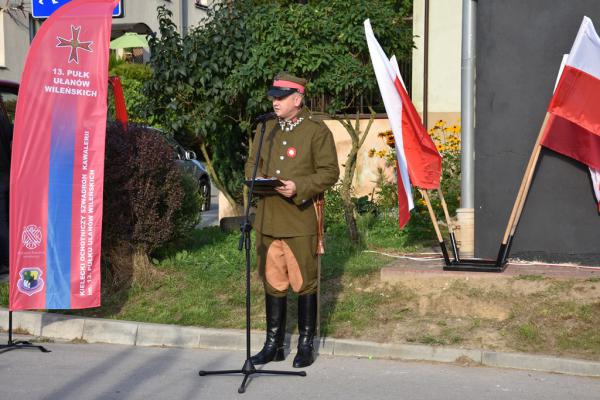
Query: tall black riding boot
(273, 349)
(307, 324)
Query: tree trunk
(358, 137)
(216, 180)
(129, 264)
(349, 170)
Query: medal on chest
(291, 152)
(289, 125)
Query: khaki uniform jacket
(305, 155)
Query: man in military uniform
(299, 151)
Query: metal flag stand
(488, 265)
(248, 368)
(20, 344)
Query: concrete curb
(96, 330)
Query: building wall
(145, 11)
(366, 173)
(445, 19)
(519, 49)
(13, 43)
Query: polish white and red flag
(573, 127)
(418, 161)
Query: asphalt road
(93, 371)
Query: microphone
(265, 117)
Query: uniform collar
(291, 124)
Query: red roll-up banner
(57, 168)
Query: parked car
(188, 162)
(186, 159)
(205, 186)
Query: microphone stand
(245, 242)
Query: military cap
(285, 84)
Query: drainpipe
(33, 27)
(465, 214)
(426, 66)
(184, 20)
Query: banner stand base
(20, 344)
(475, 264)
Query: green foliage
(365, 206)
(377, 220)
(138, 72)
(387, 193)
(133, 77)
(447, 139)
(187, 216)
(334, 207)
(324, 43)
(148, 201)
(209, 84)
(4, 294)
(113, 61)
(528, 333)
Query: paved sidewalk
(50, 326)
(117, 372)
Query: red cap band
(289, 84)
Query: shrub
(139, 72)
(420, 228)
(334, 207)
(148, 200)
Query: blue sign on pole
(45, 8)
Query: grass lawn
(203, 284)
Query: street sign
(45, 8)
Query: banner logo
(74, 44)
(31, 281)
(31, 236)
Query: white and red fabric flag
(57, 169)
(418, 160)
(573, 127)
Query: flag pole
(435, 226)
(515, 215)
(450, 225)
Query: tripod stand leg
(296, 373)
(222, 372)
(20, 344)
(242, 388)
